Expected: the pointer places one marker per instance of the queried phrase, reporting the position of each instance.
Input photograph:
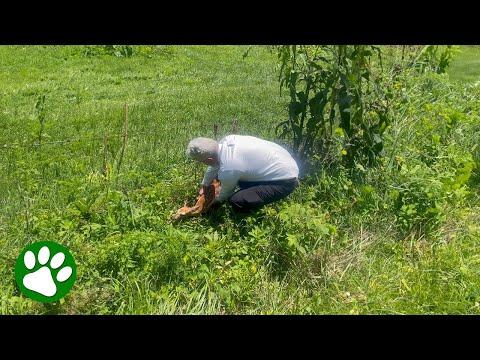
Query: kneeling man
(262, 171)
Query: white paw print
(41, 281)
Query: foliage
(435, 58)
(121, 51)
(335, 88)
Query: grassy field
(466, 65)
(335, 246)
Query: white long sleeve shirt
(247, 158)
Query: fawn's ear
(185, 204)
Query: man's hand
(210, 193)
(203, 202)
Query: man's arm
(228, 183)
(210, 174)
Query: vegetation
(92, 144)
(466, 66)
(334, 90)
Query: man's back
(248, 158)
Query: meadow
(92, 156)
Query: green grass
(336, 245)
(466, 65)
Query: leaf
(377, 139)
(296, 128)
(360, 167)
(284, 126)
(295, 109)
(406, 285)
(245, 54)
(302, 97)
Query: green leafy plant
(296, 231)
(334, 87)
(417, 201)
(119, 50)
(435, 58)
(40, 115)
(112, 50)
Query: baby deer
(203, 202)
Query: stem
(304, 114)
(125, 137)
(105, 147)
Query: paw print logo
(45, 271)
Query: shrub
(417, 199)
(334, 87)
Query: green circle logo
(45, 271)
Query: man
(263, 171)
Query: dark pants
(253, 195)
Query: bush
(335, 87)
(417, 198)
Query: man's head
(204, 150)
